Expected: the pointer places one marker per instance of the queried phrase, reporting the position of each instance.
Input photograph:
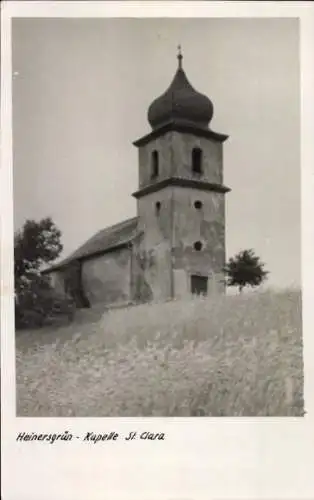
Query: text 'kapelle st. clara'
(91, 437)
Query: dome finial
(180, 56)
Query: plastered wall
(106, 278)
(175, 158)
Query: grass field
(221, 356)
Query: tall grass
(219, 356)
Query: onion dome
(181, 104)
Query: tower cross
(180, 56)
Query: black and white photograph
(157, 271)
(157, 217)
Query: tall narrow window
(157, 207)
(155, 164)
(199, 285)
(197, 155)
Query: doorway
(199, 284)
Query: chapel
(176, 243)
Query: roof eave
(183, 128)
(184, 183)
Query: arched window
(155, 164)
(197, 156)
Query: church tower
(180, 200)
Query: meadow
(237, 355)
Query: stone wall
(106, 278)
(164, 147)
(170, 234)
(151, 264)
(183, 144)
(205, 225)
(165, 257)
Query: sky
(81, 91)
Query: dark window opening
(199, 285)
(157, 207)
(197, 155)
(155, 164)
(198, 245)
(198, 204)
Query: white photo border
(253, 458)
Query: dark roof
(181, 103)
(108, 239)
(181, 108)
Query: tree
(245, 269)
(35, 245)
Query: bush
(38, 304)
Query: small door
(199, 285)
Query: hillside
(221, 356)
